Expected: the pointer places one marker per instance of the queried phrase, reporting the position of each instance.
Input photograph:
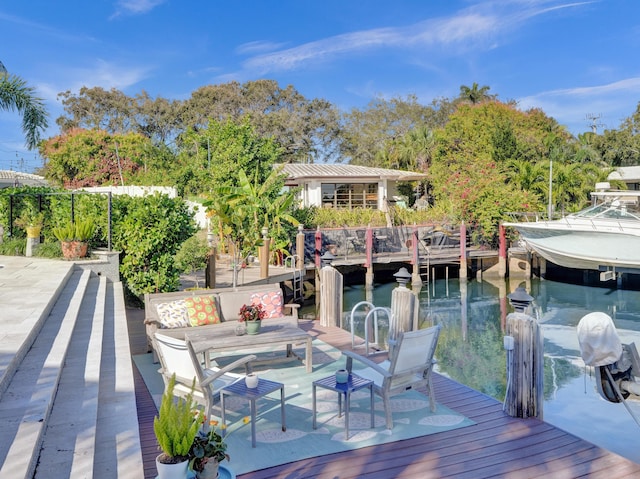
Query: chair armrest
(366, 361)
(293, 307)
(228, 368)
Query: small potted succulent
(74, 237)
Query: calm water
(470, 349)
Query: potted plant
(31, 221)
(207, 451)
(251, 315)
(74, 238)
(175, 427)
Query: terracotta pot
(171, 471)
(74, 249)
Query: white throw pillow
(173, 314)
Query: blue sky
(571, 59)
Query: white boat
(605, 236)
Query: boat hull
(582, 248)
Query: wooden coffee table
(273, 332)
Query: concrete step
(68, 445)
(69, 410)
(26, 403)
(118, 451)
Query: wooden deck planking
(497, 446)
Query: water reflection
(470, 348)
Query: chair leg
(387, 410)
(432, 393)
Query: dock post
(502, 252)
(415, 261)
(300, 250)
(525, 362)
(368, 262)
(210, 269)
(318, 239)
(463, 251)
(331, 291)
(264, 254)
(403, 307)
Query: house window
(349, 195)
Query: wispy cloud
(478, 26)
(41, 29)
(136, 7)
(102, 74)
(569, 103)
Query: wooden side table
(239, 388)
(354, 383)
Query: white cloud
(136, 7)
(103, 74)
(567, 105)
(477, 27)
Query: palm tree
(475, 93)
(16, 95)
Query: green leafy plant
(192, 256)
(78, 231)
(207, 445)
(176, 425)
(30, 218)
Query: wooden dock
(497, 446)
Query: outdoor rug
(411, 414)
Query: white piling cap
(599, 341)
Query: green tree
(307, 130)
(239, 213)
(16, 95)
(475, 93)
(80, 158)
(368, 134)
(211, 157)
(149, 231)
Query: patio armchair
(409, 367)
(177, 357)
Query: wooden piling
(331, 292)
(300, 250)
(415, 258)
(525, 368)
(502, 252)
(264, 258)
(463, 251)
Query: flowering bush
(251, 312)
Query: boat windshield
(616, 209)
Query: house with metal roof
(629, 174)
(346, 186)
(10, 178)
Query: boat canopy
(599, 341)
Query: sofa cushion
(202, 310)
(173, 314)
(271, 301)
